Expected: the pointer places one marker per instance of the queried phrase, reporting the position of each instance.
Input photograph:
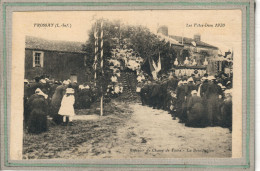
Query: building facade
(193, 50)
(59, 60)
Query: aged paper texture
(215, 30)
(96, 85)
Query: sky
(179, 22)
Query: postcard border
(248, 83)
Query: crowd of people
(123, 59)
(45, 98)
(115, 88)
(197, 102)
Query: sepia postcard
(129, 85)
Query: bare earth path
(151, 133)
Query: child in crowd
(67, 108)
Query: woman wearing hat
(195, 110)
(38, 107)
(191, 86)
(67, 108)
(226, 110)
(56, 101)
(180, 93)
(213, 93)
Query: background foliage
(140, 39)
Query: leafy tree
(141, 40)
(148, 45)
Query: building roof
(189, 41)
(36, 43)
(168, 39)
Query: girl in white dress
(67, 108)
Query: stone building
(60, 60)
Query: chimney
(163, 30)
(197, 37)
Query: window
(37, 59)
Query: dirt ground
(127, 131)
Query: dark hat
(37, 79)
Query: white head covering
(223, 87)
(138, 89)
(180, 82)
(43, 81)
(203, 79)
(65, 82)
(228, 91)
(87, 87)
(70, 90)
(81, 86)
(211, 78)
(39, 92)
(193, 92)
(190, 79)
(26, 81)
(117, 89)
(176, 61)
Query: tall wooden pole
(101, 67)
(96, 53)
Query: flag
(193, 43)
(154, 65)
(159, 65)
(152, 68)
(151, 64)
